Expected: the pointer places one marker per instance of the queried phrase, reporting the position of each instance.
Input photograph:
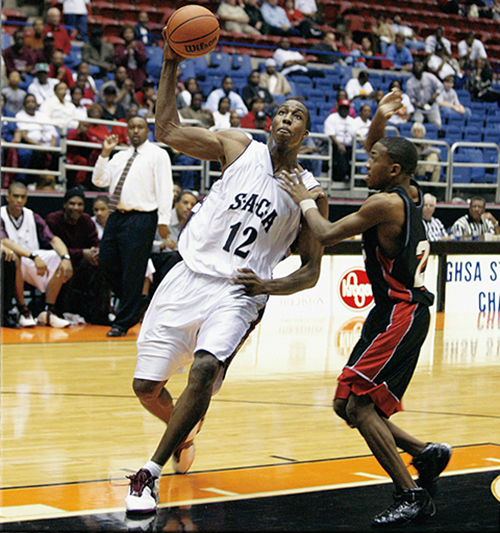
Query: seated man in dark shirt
(87, 293)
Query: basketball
(192, 31)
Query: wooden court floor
(271, 455)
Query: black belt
(132, 211)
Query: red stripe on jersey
(382, 348)
(396, 289)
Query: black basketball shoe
(430, 462)
(409, 505)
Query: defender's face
(378, 168)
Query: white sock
(154, 468)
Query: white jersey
(246, 220)
(26, 235)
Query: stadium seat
(453, 133)
(491, 135)
(242, 63)
(475, 120)
(74, 57)
(220, 63)
(188, 69)
(455, 118)
(155, 62)
(472, 134)
(432, 131)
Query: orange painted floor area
(224, 485)
(89, 333)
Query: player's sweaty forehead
(294, 106)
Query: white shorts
(191, 312)
(28, 269)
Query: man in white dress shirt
(236, 101)
(138, 204)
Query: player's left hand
(295, 188)
(252, 284)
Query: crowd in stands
(51, 81)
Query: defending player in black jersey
(382, 363)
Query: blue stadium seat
(242, 63)
(155, 62)
(6, 40)
(461, 174)
(220, 63)
(456, 119)
(325, 84)
(200, 66)
(453, 133)
(74, 57)
(315, 95)
(323, 109)
(188, 69)
(491, 135)
(405, 129)
(472, 134)
(432, 131)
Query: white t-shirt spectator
(354, 88)
(477, 50)
(343, 129)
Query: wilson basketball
(192, 31)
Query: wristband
(307, 204)
(65, 256)
(33, 255)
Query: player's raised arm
(389, 104)
(194, 141)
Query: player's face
(16, 200)
(289, 123)
(378, 168)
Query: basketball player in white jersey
(201, 312)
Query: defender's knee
(204, 370)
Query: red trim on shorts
(397, 290)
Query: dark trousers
(123, 255)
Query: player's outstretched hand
(293, 185)
(391, 102)
(168, 53)
(252, 284)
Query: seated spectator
(58, 70)
(477, 222)
(233, 17)
(349, 49)
(410, 38)
(184, 97)
(448, 101)
(100, 208)
(99, 53)
(256, 19)
(86, 294)
(125, 88)
(309, 8)
(81, 155)
(423, 89)
(406, 110)
(437, 41)
(470, 49)
(327, 45)
(359, 87)
(253, 89)
(99, 131)
(363, 122)
(79, 101)
(221, 115)
(10, 133)
(426, 152)
(194, 111)
(110, 109)
(46, 269)
(60, 111)
(164, 252)
(61, 37)
(83, 78)
(479, 83)
(367, 53)
(306, 27)
(18, 56)
(293, 63)
(143, 33)
(275, 16)
(340, 127)
(146, 98)
(42, 87)
(38, 133)
(383, 33)
(441, 64)
(132, 55)
(45, 54)
(34, 36)
(342, 95)
(14, 96)
(275, 82)
(234, 120)
(434, 228)
(249, 120)
(399, 54)
(236, 102)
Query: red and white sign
(355, 290)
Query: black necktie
(115, 197)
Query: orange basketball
(192, 31)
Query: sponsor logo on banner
(355, 290)
(348, 335)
